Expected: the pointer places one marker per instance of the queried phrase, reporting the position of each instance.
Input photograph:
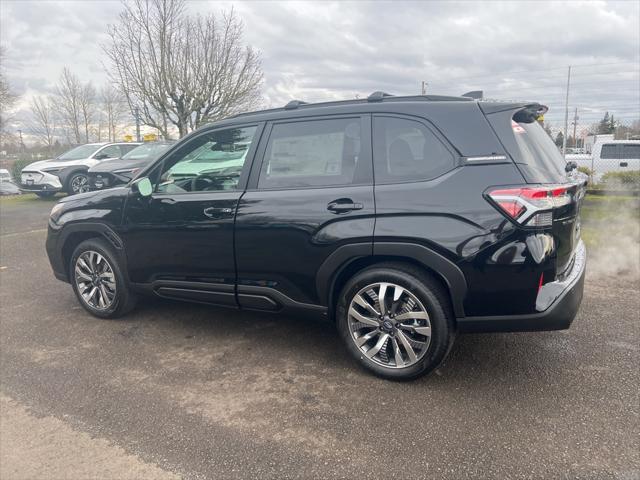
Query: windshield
(147, 150)
(537, 149)
(78, 153)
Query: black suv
(405, 220)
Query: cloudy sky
(315, 51)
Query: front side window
(609, 151)
(406, 150)
(209, 162)
(311, 153)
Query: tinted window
(406, 150)
(537, 149)
(630, 151)
(609, 151)
(209, 162)
(312, 153)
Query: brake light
(531, 205)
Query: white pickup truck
(609, 156)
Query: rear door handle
(344, 205)
(212, 212)
(624, 164)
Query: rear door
(311, 194)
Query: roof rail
(293, 104)
(378, 96)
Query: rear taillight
(531, 206)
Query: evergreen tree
(559, 139)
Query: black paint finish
(286, 248)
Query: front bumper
(39, 182)
(558, 303)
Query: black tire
(432, 296)
(71, 182)
(124, 300)
(45, 194)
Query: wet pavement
(179, 390)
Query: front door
(311, 194)
(180, 239)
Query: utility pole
(22, 146)
(566, 114)
(424, 87)
(136, 112)
(575, 125)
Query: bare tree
(7, 101)
(87, 107)
(43, 120)
(68, 102)
(182, 70)
(114, 106)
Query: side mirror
(101, 156)
(142, 186)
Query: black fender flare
(96, 229)
(444, 268)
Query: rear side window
(630, 151)
(537, 150)
(406, 150)
(312, 153)
(609, 151)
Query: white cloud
(317, 51)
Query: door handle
(344, 205)
(212, 212)
(624, 164)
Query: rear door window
(324, 152)
(406, 150)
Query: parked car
(120, 171)
(610, 156)
(5, 175)
(68, 172)
(404, 220)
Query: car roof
(377, 102)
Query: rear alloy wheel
(389, 325)
(78, 183)
(396, 320)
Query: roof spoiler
(522, 112)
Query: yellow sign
(540, 118)
(128, 138)
(150, 137)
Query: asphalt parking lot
(176, 390)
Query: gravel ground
(186, 391)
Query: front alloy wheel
(79, 184)
(389, 325)
(95, 280)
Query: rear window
(630, 151)
(537, 149)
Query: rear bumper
(561, 300)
